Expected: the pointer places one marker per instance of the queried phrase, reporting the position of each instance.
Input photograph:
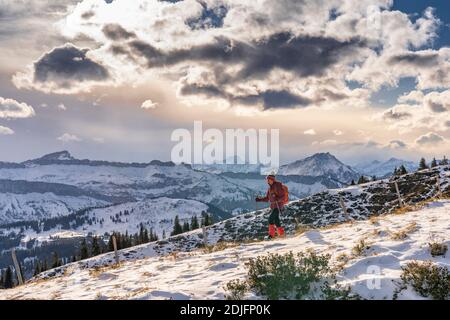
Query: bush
(438, 249)
(360, 248)
(289, 276)
(237, 289)
(427, 279)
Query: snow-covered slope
(23, 200)
(384, 168)
(320, 164)
(371, 274)
(156, 214)
(36, 206)
(132, 181)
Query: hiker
(276, 195)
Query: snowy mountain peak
(320, 164)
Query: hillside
(172, 276)
(322, 209)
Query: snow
(201, 275)
(35, 206)
(320, 164)
(157, 214)
(381, 169)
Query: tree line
(125, 240)
(401, 170)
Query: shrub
(438, 249)
(237, 289)
(289, 276)
(403, 233)
(360, 248)
(427, 279)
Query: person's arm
(264, 199)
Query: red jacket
(274, 195)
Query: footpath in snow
(202, 275)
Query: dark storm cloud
(305, 56)
(114, 31)
(270, 99)
(66, 64)
(210, 91)
(396, 115)
(416, 59)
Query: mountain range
(384, 168)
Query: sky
(362, 79)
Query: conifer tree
(44, 266)
(207, 219)
(402, 170)
(352, 183)
(444, 161)
(362, 179)
(396, 172)
(8, 279)
(423, 164)
(177, 228)
(164, 234)
(95, 247)
(434, 163)
(194, 223)
(186, 227)
(55, 261)
(84, 252)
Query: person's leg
(277, 222)
(272, 221)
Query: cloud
(115, 32)
(63, 70)
(412, 96)
(12, 109)
(6, 131)
(310, 132)
(394, 114)
(430, 111)
(415, 59)
(67, 137)
(149, 104)
(268, 55)
(337, 132)
(429, 139)
(328, 142)
(396, 144)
